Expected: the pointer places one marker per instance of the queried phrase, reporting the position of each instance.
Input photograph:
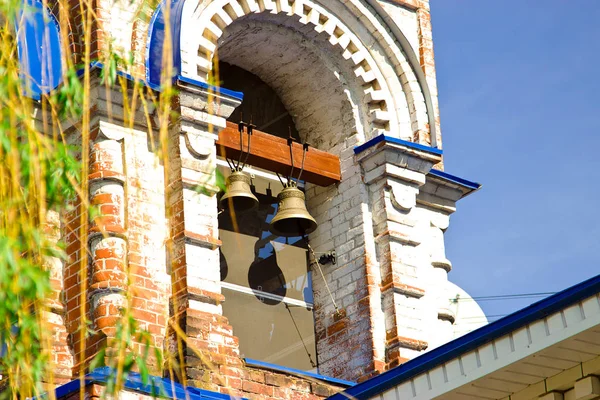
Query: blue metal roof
(471, 341)
(157, 387)
(214, 89)
(299, 372)
(382, 138)
(455, 179)
(165, 388)
(471, 186)
(156, 41)
(39, 49)
(156, 46)
(178, 78)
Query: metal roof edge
(472, 340)
(215, 89)
(156, 386)
(381, 138)
(256, 363)
(99, 65)
(455, 179)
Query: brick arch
(320, 92)
(202, 28)
(399, 62)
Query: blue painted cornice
(155, 386)
(393, 140)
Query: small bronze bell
(292, 218)
(238, 195)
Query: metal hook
(290, 143)
(249, 130)
(304, 151)
(241, 131)
(280, 180)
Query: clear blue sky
(519, 94)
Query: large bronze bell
(292, 218)
(238, 195)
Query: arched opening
(291, 82)
(303, 70)
(261, 105)
(266, 279)
(395, 92)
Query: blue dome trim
(156, 39)
(39, 49)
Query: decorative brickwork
(428, 65)
(107, 234)
(196, 293)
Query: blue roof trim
(455, 179)
(275, 367)
(156, 38)
(99, 65)
(67, 388)
(215, 89)
(389, 139)
(160, 387)
(472, 340)
(155, 48)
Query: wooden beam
(272, 153)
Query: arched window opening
(266, 279)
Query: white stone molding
(113, 131)
(411, 208)
(204, 25)
(402, 197)
(390, 39)
(197, 146)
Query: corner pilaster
(191, 196)
(411, 205)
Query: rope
(505, 296)
(300, 335)
(322, 275)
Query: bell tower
(248, 283)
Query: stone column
(107, 234)
(210, 351)
(408, 238)
(437, 200)
(350, 337)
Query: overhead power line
(504, 296)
